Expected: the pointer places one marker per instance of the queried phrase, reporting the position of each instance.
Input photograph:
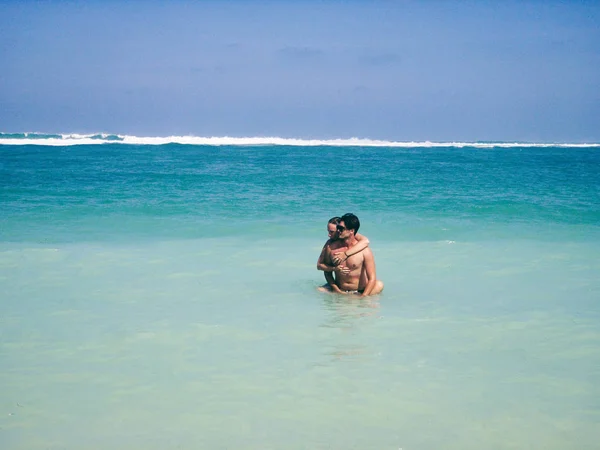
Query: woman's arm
(361, 244)
(321, 261)
(328, 270)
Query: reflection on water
(352, 316)
(345, 311)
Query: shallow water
(194, 325)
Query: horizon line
(70, 139)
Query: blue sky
(397, 70)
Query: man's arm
(361, 244)
(369, 268)
(331, 281)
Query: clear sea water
(164, 297)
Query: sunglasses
(340, 228)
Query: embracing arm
(361, 244)
(369, 268)
(327, 270)
(321, 262)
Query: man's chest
(355, 262)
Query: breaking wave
(104, 138)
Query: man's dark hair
(351, 222)
(334, 220)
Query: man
(340, 256)
(357, 274)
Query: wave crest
(105, 138)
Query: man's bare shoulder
(368, 254)
(368, 251)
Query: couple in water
(347, 260)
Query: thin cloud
(381, 59)
(300, 53)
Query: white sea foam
(104, 138)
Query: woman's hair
(334, 220)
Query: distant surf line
(51, 139)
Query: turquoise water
(164, 296)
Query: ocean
(161, 293)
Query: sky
(526, 71)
